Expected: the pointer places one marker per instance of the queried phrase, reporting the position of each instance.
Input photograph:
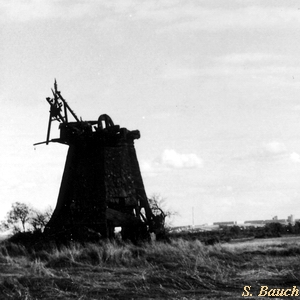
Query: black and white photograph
(149, 149)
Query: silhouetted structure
(102, 187)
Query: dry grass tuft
(177, 270)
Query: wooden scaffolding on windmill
(102, 186)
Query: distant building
(263, 222)
(256, 223)
(291, 220)
(225, 223)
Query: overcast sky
(213, 87)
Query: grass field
(179, 270)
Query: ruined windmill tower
(101, 187)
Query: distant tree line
(22, 218)
(227, 233)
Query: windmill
(102, 186)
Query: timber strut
(102, 186)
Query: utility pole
(193, 225)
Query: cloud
(192, 17)
(295, 157)
(205, 15)
(22, 11)
(256, 63)
(163, 115)
(264, 68)
(273, 151)
(175, 73)
(274, 148)
(170, 15)
(148, 167)
(170, 159)
(248, 57)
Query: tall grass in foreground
(191, 263)
(167, 269)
